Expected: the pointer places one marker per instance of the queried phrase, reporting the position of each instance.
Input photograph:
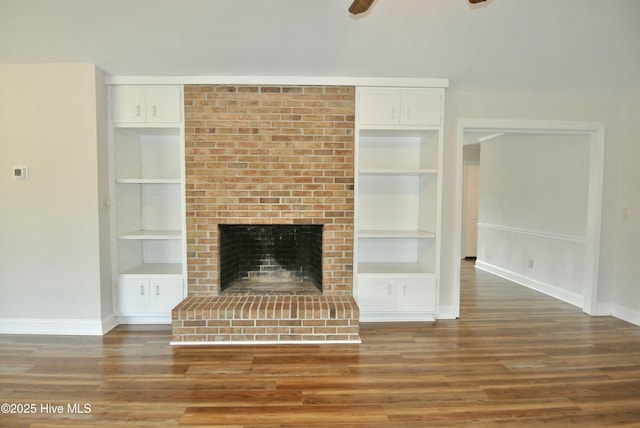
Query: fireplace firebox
(271, 259)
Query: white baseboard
(603, 309)
(395, 316)
(548, 289)
(447, 313)
(109, 323)
(144, 319)
(75, 327)
(627, 314)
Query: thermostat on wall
(20, 172)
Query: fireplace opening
(271, 259)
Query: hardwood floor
(515, 358)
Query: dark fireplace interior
(271, 259)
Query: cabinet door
(133, 295)
(379, 106)
(163, 104)
(417, 294)
(376, 295)
(165, 294)
(128, 104)
(421, 106)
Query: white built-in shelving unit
(398, 202)
(147, 142)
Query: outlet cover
(20, 172)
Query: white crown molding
(280, 80)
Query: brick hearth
(268, 155)
(235, 319)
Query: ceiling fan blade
(359, 6)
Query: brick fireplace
(283, 259)
(268, 155)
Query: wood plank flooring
(515, 358)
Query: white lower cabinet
(149, 296)
(411, 298)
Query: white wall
(533, 211)
(529, 106)
(104, 211)
(50, 260)
(536, 182)
(627, 276)
(50, 225)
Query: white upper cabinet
(379, 106)
(146, 104)
(400, 107)
(420, 107)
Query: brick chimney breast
(269, 155)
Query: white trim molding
(627, 314)
(544, 288)
(537, 233)
(446, 312)
(280, 80)
(144, 319)
(109, 323)
(74, 327)
(596, 133)
(395, 316)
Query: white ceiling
(500, 45)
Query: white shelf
(396, 171)
(141, 153)
(152, 234)
(390, 129)
(152, 127)
(393, 269)
(148, 181)
(398, 198)
(400, 150)
(151, 269)
(393, 234)
(147, 148)
(397, 202)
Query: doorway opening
(526, 230)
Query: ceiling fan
(360, 6)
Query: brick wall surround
(269, 155)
